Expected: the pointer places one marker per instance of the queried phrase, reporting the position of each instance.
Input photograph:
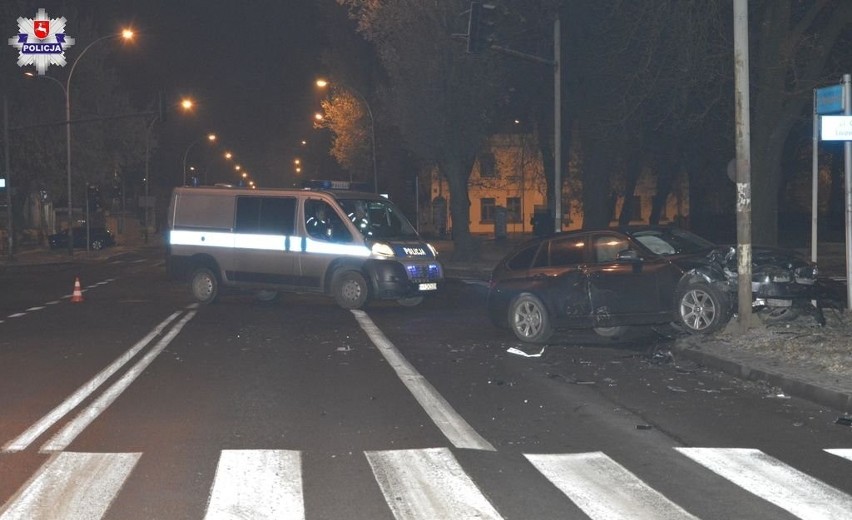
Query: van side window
(323, 223)
(266, 215)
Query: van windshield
(378, 219)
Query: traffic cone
(77, 297)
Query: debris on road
(519, 352)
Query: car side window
(523, 259)
(323, 223)
(607, 247)
(266, 215)
(567, 251)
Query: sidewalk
(758, 362)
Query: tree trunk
(665, 180)
(596, 185)
(458, 175)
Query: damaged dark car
(610, 279)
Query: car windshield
(376, 218)
(672, 241)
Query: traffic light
(480, 27)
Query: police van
(353, 246)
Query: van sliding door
(265, 244)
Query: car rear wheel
(529, 319)
(350, 289)
(412, 301)
(701, 308)
(204, 285)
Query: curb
(820, 395)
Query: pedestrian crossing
(421, 484)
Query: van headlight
(381, 249)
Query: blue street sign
(829, 100)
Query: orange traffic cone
(77, 297)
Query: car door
(558, 273)
(329, 236)
(628, 289)
(265, 242)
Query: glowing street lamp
(127, 35)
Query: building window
(513, 209)
(487, 166)
(486, 210)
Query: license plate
(428, 287)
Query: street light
(210, 137)
(127, 34)
(324, 83)
(186, 104)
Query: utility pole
(743, 139)
(557, 128)
(9, 226)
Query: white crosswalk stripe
(604, 489)
(421, 484)
(72, 486)
(774, 481)
(257, 484)
(428, 484)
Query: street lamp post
(147, 173)
(323, 83)
(126, 34)
(210, 137)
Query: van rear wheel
(350, 289)
(204, 285)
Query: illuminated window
(486, 209)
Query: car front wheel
(702, 309)
(350, 289)
(529, 319)
(204, 285)
(97, 245)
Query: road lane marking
(31, 309)
(17, 315)
(604, 489)
(72, 486)
(845, 453)
(67, 434)
(774, 481)
(453, 425)
(428, 484)
(257, 484)
(82, 393)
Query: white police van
(354, 246)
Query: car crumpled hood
(766, 260)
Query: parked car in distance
(99, 238)
(609, 279)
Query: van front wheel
(204, 285)
(350, 289)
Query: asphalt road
(138, 404)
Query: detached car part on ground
(610, 279)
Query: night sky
(250, 65)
